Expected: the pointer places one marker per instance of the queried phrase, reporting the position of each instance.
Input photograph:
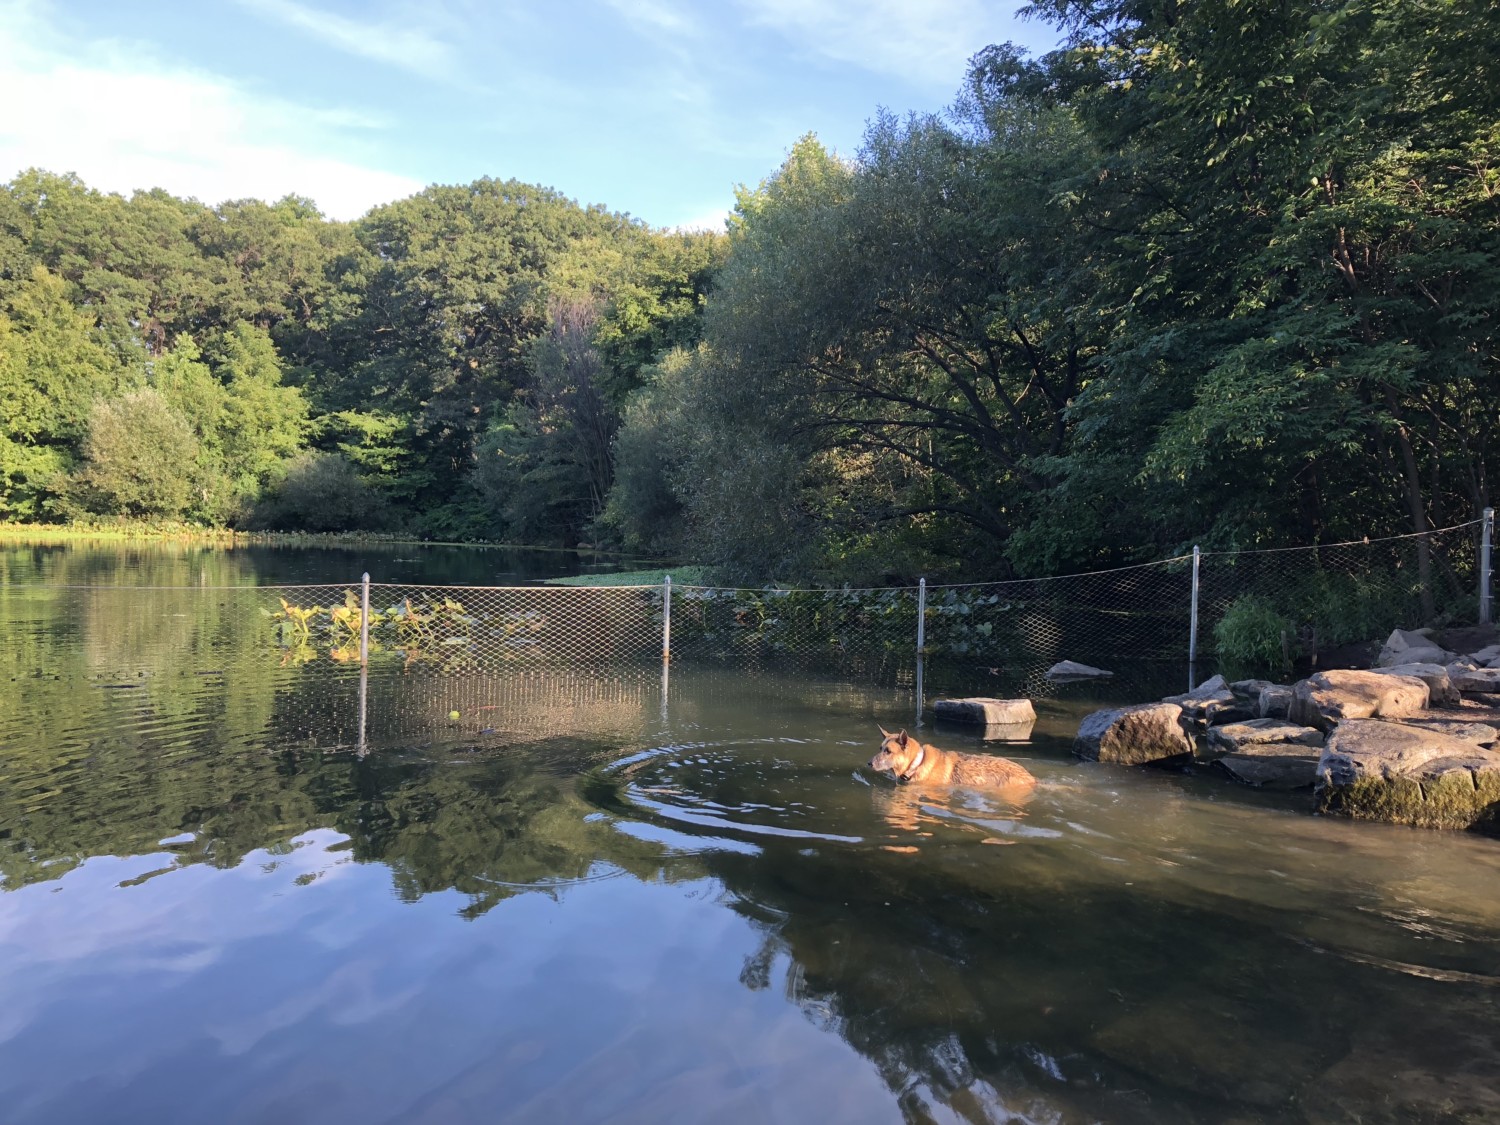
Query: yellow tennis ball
(453, 715)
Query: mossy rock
(1400, 774)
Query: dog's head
(897, 753)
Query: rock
(1133, 736)
(1273, 765)
(1402, 774)
(1072, 670)
(1262, 732)
(1268, 752)
(1487, 655)
(1434, 1063)
(986, 711)
(1248, 691)
(1406, 646)
(1478, 681)
(1211, 702)
(1440, 689)
(1326, 698)
(1480, 734)
(1275, 702)
(1007, 732)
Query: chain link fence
(1271, 605)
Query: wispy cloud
(190, 132)
(397, 42)
(925, 42)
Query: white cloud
(927, 42)
(397, 43)
(709, 221)
(122, 121)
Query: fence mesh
(1278, 605)
(1291, 603)
(471, 629)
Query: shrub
(322, 492)
(1249, 635)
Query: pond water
(233, 890)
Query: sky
(657, 108)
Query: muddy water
(604, 896)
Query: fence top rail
(1365, 542)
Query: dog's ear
(903, 738)
(883, 732)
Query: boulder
(1268, 752)
(1403, 774)
(1406, 646)
(1440, 689)
(1248, 691)
(1273, 765)
(1485, 656)
(1072, 670)
(1211, 702)
(1480, 734)
(985, 711)
(1478, 681)
(1132, 736)
(1234, 737)
(1326, 698)
(1275, 702)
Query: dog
(910, 761)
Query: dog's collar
(912, 769)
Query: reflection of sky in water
(600, 895)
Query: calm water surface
(601, 896)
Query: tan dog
(908, 760)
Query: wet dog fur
(913, 762)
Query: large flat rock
(1477, 681)
(1134, 736)
(1403, 774)
(1327, 698)
(1268, 752)
(1234, 737)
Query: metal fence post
(364, 619)
(1486, 603)
(1193, 622)
(921, 616)
(666, 620)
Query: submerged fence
(1262, 604)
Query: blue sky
(655, 107)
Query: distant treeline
(1225, 272)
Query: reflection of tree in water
(993, 1001)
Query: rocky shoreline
(1412, 740)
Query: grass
(142, 532)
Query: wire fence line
(1170, 610)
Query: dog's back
(911, 761)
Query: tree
(138, 459)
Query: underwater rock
(1134, 736)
